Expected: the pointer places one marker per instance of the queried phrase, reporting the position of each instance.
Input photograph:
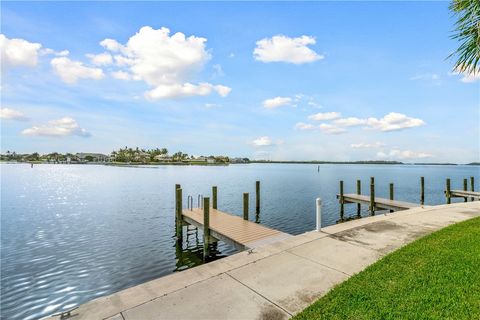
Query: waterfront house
(95, 157)
(239, 160)
(211, 160)
(163, 158)
(141, 156)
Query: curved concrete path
(280, 279)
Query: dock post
(472, 186)
(319, 214)
(391, 193)
(214, 197)
(359, 191)
(245, 206)
(178, 213)
(465, 188)
(257, 197)
(447, 192)
(206, 226)
(372, 196)
(422, 190)
(342, 207)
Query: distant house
(239, 160)
(163, 158)
(210, 160)
(201, 159)
(141, 156)
(97, 157)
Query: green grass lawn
(435, 277)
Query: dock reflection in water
(189, 252)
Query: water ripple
(71, 233)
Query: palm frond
(467, 32)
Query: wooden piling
(178, 213)
(359, 191)
(422, 191)
(372, 196)
(214, 197)
(391, 193)
(472, 186)
(245, 206)
(342, 207)
(257, 197)
(206, 226)
(447, 192)
(465, 188)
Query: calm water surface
(71, 233)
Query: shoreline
(325, 258)
(137, 164)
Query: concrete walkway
(278, 280)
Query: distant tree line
(124, 155)
(35, 156)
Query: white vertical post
(319, 214)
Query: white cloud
(390, 122)
(293, 101)
(350, 122)
(121, 75)
(111, 45)
(101, 59)
(394, 121)
(425, 76)
(331, 129)
(222, 91)
(174, 91)
(211, 105)
(262, 141)
(314, 104)
(367, 145)
(18, 52)
(324, 116)
(304, 126)
(71, 71)
(11, 114)
(281, 48)
(57, 128)
(167, 63)
(405, 154)
(218, 71)
(277, 102)
(62, 53)
(469, 75)
(122, 61)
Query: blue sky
(293, 81)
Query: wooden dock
(380, 203)
(464, 194)
(243, 234)
(374, 202)
(217, 225)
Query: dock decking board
(233, 229)
(380, 203)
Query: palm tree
(468, 33)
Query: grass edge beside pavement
(434, 277)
